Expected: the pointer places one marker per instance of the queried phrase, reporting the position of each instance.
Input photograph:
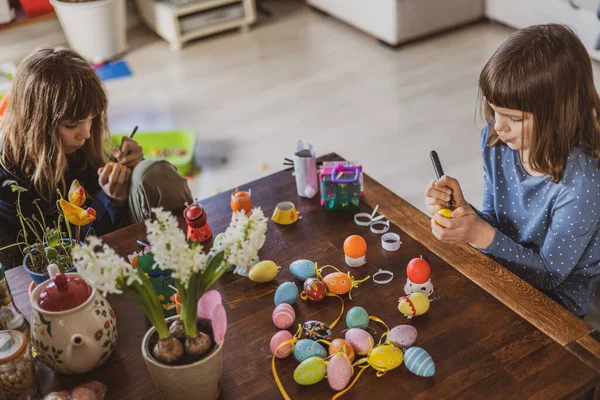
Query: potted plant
(182, 353)
(42, 244)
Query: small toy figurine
(195, 218)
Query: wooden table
(490, 334)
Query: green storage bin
(155, 142)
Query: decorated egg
(287, 292)
(314, 289)
(385, 357)
(444, 212)
(264, 271)
(403, 336)
(357, 317)
(425, 288)
(360, 340)
(414, 305)
(339, 372)
(340, 346)
(338, 282)
(284, 316)
(307, 348)
(303, 269)
(418, 270)
(310, 371)
(419, 362)
(355, 249)
(277, 340)
(316, 330)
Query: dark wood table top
(490, 334)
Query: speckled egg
(357, 317)
(360, 340)
(338, 282)
(419, 362)
(303, 269)
(277, 340)
(316, 330)
(284, 316)
(385, 357)
(340, 346)
(310, 371)
(287, 292)
(403, 336)
(339, 372)
(314, 289)
(307, 348)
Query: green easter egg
(357, 317)
(310, 371)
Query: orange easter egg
(355, 246)
(338, 283)
(340, 345)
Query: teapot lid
(64, 292)
(12, 345)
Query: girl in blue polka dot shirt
(540, 147)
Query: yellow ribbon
(354, 283)
(329, 294)
(340, 394)
(282, 345)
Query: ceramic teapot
(73, 328)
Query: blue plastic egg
(287, 292)
(357, 317)
(419, 362)
(303, 269)
(307, 348)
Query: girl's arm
(488, 212)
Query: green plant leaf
(51, 254)
(16, 188)
(52, 238)
(214, 270)
(59, 352)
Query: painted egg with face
(419, 362)
(340, 346)
(414, 305)
(403, 336)
(360, 340)
(339, 372)
(276, 344)
(264, 271)
(310, 371)
(316, 330)
(418, 270)
(303, 269)
(385, 357)
(357, 317)
(307, 348)
(338, 282)
(425, 288)
(284, 316)
(287, 292)
(314, 289)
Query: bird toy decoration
(73, 209)
(196, 220)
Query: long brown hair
(545, 70)
(52, 85)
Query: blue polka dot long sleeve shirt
(546, 233)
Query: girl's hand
(129, 154)
(438, 194)
(464, 227)
(114, 179)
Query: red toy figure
(195, 217)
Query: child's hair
(545, 70)
(52, 85)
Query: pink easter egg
(276, 341)
(360, 340)
(284, 316)
(403, 336)
(339, 372)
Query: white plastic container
(95, 29)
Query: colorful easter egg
(385, 357)
(340, 346)
(444, 212)
(419, 362)
(264, 271)
(357, 317)
(425, 288)
(418, 270)
(338, 282)
(339, 372)
(316, 330)
(303, 269)
(314, 289)
(277, 340)
(307, 348)
(414, 305)
(287, 292)
(403, 336)
(360, 340)
(310, 371)
(355, 250)
(284, 316)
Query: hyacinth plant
(193, 270)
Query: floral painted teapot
(73, 328)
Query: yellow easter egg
(264, 271)
(414, 305)
(444, 212)
(385, 357)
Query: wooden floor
(302, 75)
